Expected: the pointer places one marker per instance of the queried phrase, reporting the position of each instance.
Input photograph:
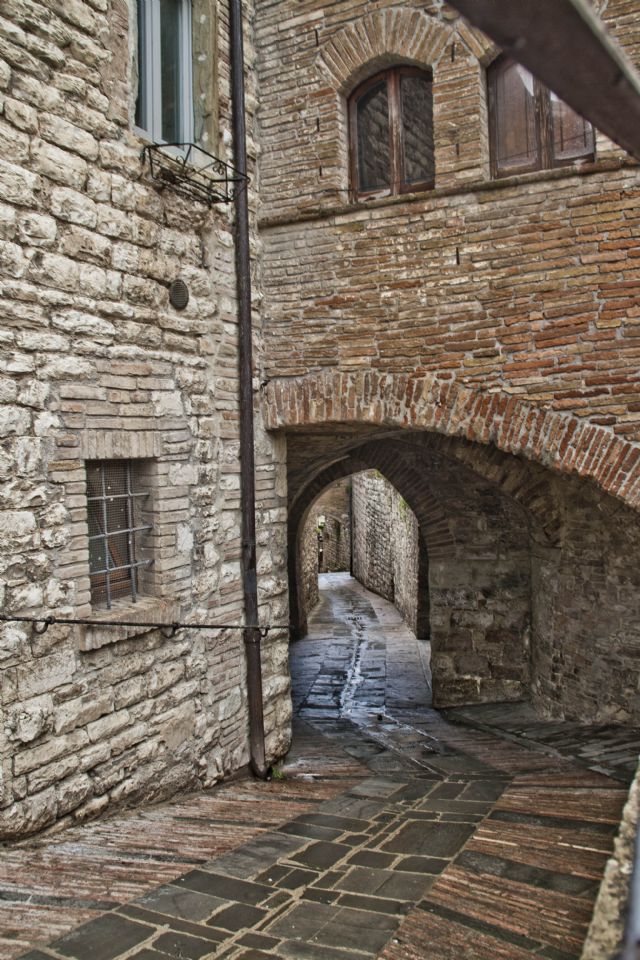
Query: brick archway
(398, 34)
(433, 526)
(559, 442)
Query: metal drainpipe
(247, 474)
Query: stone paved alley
(391, 831)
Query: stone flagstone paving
(396, 832)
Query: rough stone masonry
(96, 365)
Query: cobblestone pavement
(395, 832)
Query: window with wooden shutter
(391, 133)
(531, 128)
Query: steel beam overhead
(566, 46)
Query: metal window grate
(115, 515)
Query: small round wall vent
(179, 294)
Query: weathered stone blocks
(96, 364)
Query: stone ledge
(145, 610)
(355, 207)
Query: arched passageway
(532, 577)
(359, 658)
(362, 525)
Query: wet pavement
(392, 832)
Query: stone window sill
(145, 611)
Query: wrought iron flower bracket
(192, 172)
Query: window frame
(398, 186)
(149, 94)
(543, 118)
(120, 578)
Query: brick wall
(526, 285)
(585, 610)
(502, 315)
(95, 363)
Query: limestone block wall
(385, 556)
(606, 934)
(336, 552)
(373, 536)
(309, 562)
(335, 507)
(95, 364)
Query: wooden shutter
(514, 142)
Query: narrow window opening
(115, 508)
(164, 106)
(372, 122)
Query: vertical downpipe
(247, 466)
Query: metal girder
(566, 46)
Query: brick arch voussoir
(397, 34)
(478, 45)
(560, 442)
(522, 481)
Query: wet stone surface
(394, 832)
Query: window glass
(374, 171)
(531, 128)
(143, 94)
(170, 69)
(572, 135)
(164, 107)
(417, 128)
(515, 142)
(391, 131)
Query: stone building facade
(476, 342)
(97, 367)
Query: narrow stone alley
(390, 830)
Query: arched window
(391, 133)
(531, 128)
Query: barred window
(117, 527)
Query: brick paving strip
(396, 834)
(51, 885)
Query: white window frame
(150, 70)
